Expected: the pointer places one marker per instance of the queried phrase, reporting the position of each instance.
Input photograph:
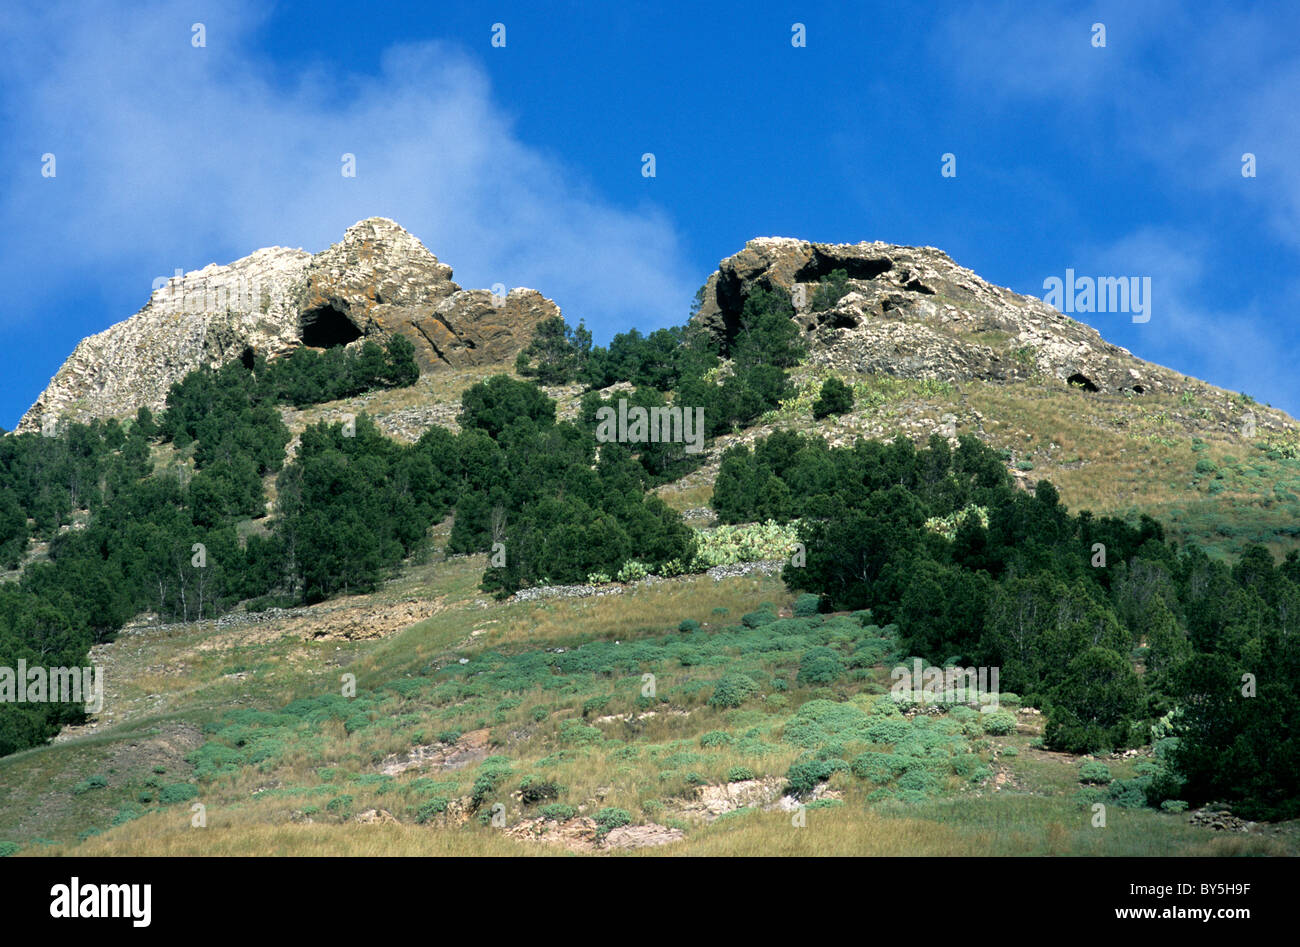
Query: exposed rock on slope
(912, 312)
(378, 280)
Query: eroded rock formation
(377, 281)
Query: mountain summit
(913, 312)
(378, 280)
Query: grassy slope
(167, 684)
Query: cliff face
(909, 312)
(913, 312)
(377, 281)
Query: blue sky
(522, 165)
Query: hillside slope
(539, 704)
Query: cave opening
(822, 265)
(325, 327)
(248, 358)
(1083, 381)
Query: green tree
(835, 398)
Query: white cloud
(174, 156)
(1183, 326)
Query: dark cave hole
(821, 265)
(1083, 381)
(327, 327)
(248, 358)
(1139, 390)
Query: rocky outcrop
(913, 312)
(379, 280)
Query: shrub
(732, 690)
(888, 730)
(1174, 805)
(632, 571)
(126, 814)
(715, 738)
(878, 768)
(8, 848)
(688, 625)
(533, 790)
(1000, 723)
(807, 605)
(491, 772)
(340, 805)
(758, 618)
(819, 666)
(835, 398)
(177, 792)
(831, 288)
(434, 807)
(90, 782)
(739, 774)
(1129, 793)
(557, 812)
(610, 818)
(1095, 772)
(804, 776)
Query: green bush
(999, 723)
(1174, 805)
(738, 774)
(831, 288)
(1129, 793)
(819, 666)
(557, 812)
(1095, 772)
(688, 625)
(90, 782)
(533, 790)
(732, 690)
(430, 809)
(340, 805)
(879, 768)
(804, 776)
(177, 792)
(610, 818)
(757, 619)
(807, 605)
(490, 774)
(888, 730)
(835, 398)
(8, 848)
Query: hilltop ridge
(378, 280)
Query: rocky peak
(913, 312)
(378, 280)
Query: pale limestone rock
(378, 280)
